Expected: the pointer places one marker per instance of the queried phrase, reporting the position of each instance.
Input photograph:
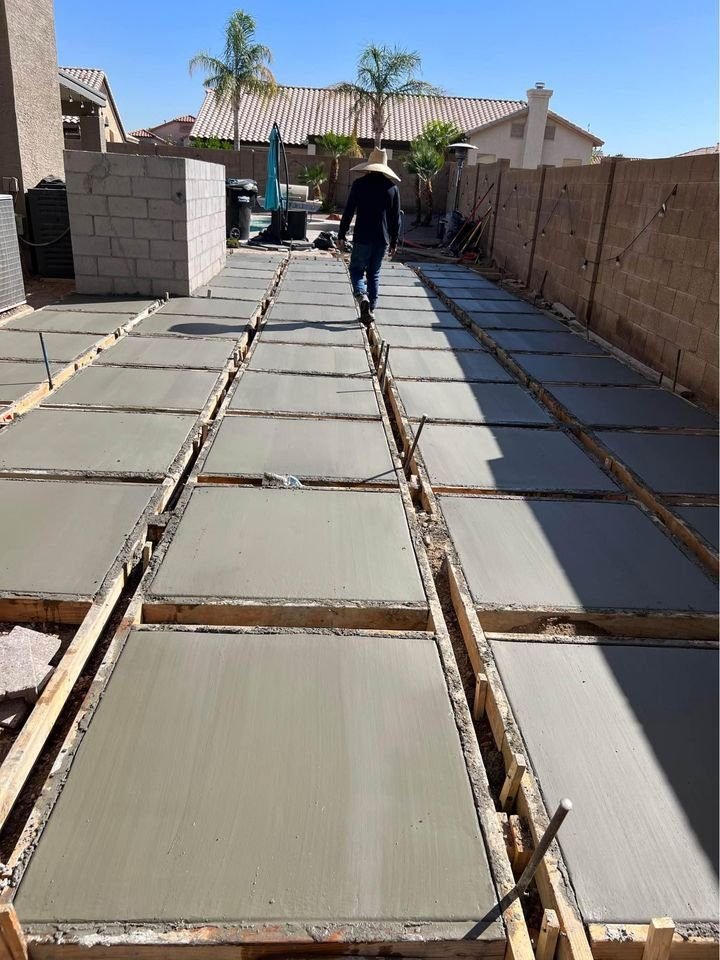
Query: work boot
(366, 314)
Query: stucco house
(90, 114)
(525, 132)
(176, 131)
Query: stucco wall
(145, 225)
(498, 143)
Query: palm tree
(441, 133)
(336, 145)
(243, 67)
(425, 162)
(384, 74)
(313, 176)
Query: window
(517, 130)
(549, 132)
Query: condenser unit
(12, 288)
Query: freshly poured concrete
(62, 537)
(494, 306)
(630, 733)
(257, 543)
(668, 463)
(80, 301)
(61, 347)
(462, 294)
(409, 303)
(245, 278)
(430, 319)
(476, 402)
(532, 341)
(209, 308)
(510, 459)
(311, 313)
(428, 338)
(147, 351)
(137, 388)
(536, 321)
(446, 365)
(567, 368)
(18, 377)
(330, 284)
(344, 449)
(320, 334)
(704, 520)
(208, 758)
(300, 358)
(317, 296)
(297, 393)
(167, 324)
(255, 294)
(71, 321)
(631, 407)
(565, 555)
(94, 441)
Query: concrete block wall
(662, 296)
(144, 225)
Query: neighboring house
(700, 151)
(91, 118)
(524, 132)
(175, 131)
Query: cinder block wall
(662, 295)
(145, 225)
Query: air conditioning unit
(12, 288)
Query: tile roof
(306, 112)
(90, 76)
(143, 133)
(185, 118)
(700, 151)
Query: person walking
(374, 201)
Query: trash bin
(240, 196)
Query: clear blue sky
(642, 74)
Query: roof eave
(80, 89)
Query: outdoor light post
(460, 152)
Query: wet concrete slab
(536, 321)
(62, 537)
(70, 321)
(466, 365)
(80, 301)
(297, 393)
(512, 459)
(61, 347)
(318, 296)
(427, 338)
(408, 303)
(704, 520)
(481, 293)
(562, 555)
(432, 319)
(474, 402)
(475, 305)
(254, 294)
(209, 308)
(337, 334)
(18, 377)
(631, 407)
(301, 358)
(308, 544)
(567, 368)
(378, 821)
(643, 837)
(353, 450)
(531, 341)
(148, 351)
(312, 313)
(330, 284)
(244, 278)
(137, 388)
(454, 282)
(668, 463)
(170, 324)
(94, 441)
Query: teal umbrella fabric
(272, 187)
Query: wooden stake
(659, 939)
(548, 938)
(12, 939)
(481, 688)
(509, 792)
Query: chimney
(538, 100)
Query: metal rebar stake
(45, 358)
(677, 370)
(384, 367)
(564, 808)
(411, 451)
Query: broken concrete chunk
(25, 657)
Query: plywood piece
(446, 365)
(61, 347)
(568, 368)
(475, 402)
(300, 358)
(536, 320)
(137, 388)
(704, 520)
(431, 319)
(71, 321)
(93, 441)
(531, 341)
(62, 537)
(630, 733)
(328, 334)
(572, 555)
(427, 338)
(188, 353)
(509, 458)
(170, 324)
(377, 816)
(345, 449)
(631, 407)
(18, 377)
(297, 393)
(668, 463)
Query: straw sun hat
(377, 163)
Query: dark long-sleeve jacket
(375, 202)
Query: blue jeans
(365, 261)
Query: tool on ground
(411, 451)
(564, 808)
(385, 366)
(47, 363)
